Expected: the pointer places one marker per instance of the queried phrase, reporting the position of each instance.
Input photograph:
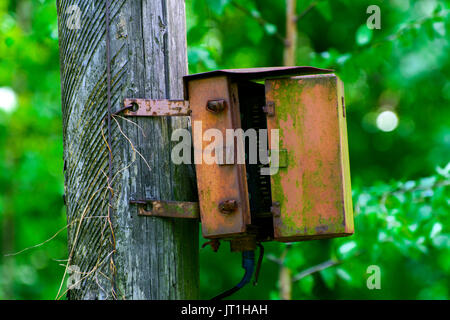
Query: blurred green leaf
(270, 28)
(363, 35)
(343, 274)
(217, 6)
(329, 277)
(306, 284)
(325, 10)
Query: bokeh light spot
(387, 121)
(8, 99)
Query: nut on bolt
(216, 106)
(228, 206)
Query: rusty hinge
(155, 107)
(170, 209)
(275, 209)
(269, 108)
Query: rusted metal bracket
(214, 243)
(155, 107)
(170, 209)
(243, 244)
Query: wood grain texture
(156, 258)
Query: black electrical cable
(248, 263)
(258, 265)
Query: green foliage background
(401, 218)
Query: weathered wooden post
(110, 50)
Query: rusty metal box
(309, 196)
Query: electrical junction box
(270, 153)
(306, 193)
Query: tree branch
(321, 266)
(291, 33)
(315, 269)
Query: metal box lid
(255, 73)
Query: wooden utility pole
(113, 252)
